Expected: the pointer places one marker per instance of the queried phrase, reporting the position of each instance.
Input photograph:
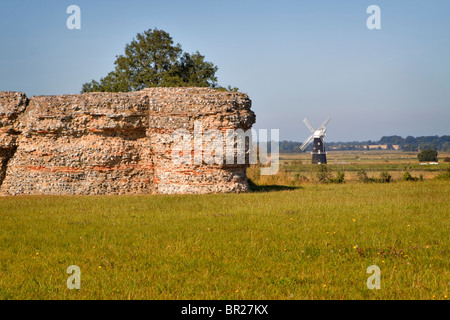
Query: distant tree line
(406, 144)
(419, 143)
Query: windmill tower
(319, 156)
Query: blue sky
(295, 59)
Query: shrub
(362, 176)
(340, 178)
(447, 159)
(427, 155)
(300, 178)
(323, 175)
(408, 177)
(254, 173)
(385, 177)
(443, 176)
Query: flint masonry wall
(115, 143)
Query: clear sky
(295, 59)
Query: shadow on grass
(271, 188)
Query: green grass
(296, 168)
(310, 242)
(443, 176)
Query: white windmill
(319, 156)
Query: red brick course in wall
(115, 143)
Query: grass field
(314, 241)
(296, 169)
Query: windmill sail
(324, 123)
(308, 125)
(307, 142)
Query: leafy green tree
(392, 140)
(153, 60)
(426, 146)
(409, 147)
(446, 146)
(410, 140)
(427, 155)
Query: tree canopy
(427, 155)
(153, 60)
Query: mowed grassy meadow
(311, 242)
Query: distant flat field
(373, 161)
(313, 241)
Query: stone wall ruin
(115, 143)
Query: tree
(410, 140)
(409, 147)
(446, 146)
(153, 60)
(426, 146)
(391, 140)
(427, 155)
